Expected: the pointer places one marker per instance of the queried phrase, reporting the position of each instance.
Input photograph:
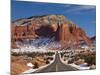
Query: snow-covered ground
(40, 42)
(80, 67)
(36, 45)
(29, 49)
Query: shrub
(47, 62)
(89, 58)
(36, 65)
(70, 61)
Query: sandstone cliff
(65, 32)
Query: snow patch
(30, 65)
(79, 67)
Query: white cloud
(79, 8)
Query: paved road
(56, 66)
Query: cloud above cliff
(79, 8)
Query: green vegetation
(49, 53)
(34, 54)
(89, 58)
(49, 58)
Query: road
(56, 66)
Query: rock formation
(65, 32)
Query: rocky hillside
(64, 31)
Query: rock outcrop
(65, 32)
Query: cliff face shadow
(45, 31)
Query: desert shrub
(16, 54)
(30, 55)
(36, 65)
(49, 53)
(47, 62)
(89, 58)
(64, 59)
(62, 54)
(70, 61)
(51, 58)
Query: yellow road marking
(56, 67)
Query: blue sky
(82, 15)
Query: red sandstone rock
(65, 32)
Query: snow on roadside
(30, 65)
(79, 67)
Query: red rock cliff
(64, 31)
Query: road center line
(56, 67)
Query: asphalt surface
(56, 66)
